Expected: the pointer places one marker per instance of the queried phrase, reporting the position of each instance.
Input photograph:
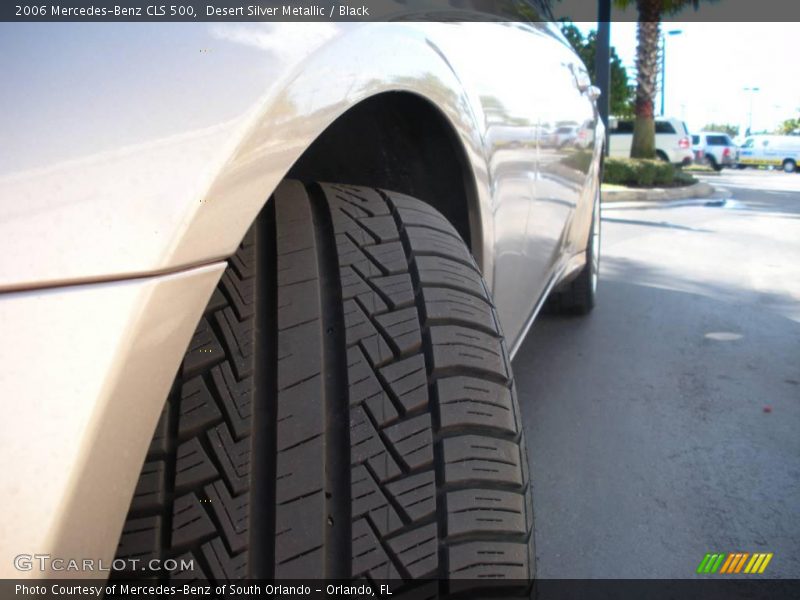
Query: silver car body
(134, 159)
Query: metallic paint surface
(166, 163)
(154, 153)
(85, 373)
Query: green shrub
(682, 178)
(634, 172)
(578, 159)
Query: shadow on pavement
(647, 433)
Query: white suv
(715, 149)
(672, 140)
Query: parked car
(715, 149)
(565, 135)
(282, 291)
(672, 140)
(771, 150)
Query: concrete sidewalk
(698, 190)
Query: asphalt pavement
(667, 423)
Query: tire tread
(398, 447)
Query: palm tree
(648, 32)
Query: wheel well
(401, 142)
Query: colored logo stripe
(735, 565)
(759, 563)
(728, 562)
(710, 563)
(734, 562)
(701, 568)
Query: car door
(523, 80)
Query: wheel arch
(201, 188)
(402, 142)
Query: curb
(695, 191)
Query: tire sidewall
(591, 273)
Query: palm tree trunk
(648, 34)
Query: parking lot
(666, 425)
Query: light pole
(752, 91)
(664, 62)
(602, 62)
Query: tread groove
(337, 447)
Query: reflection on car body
(257, 276)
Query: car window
(717, 140)
(748, 143)
(695, 139)
(664, 127)
(623, 127)
(729, 141)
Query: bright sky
(708, 65)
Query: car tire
(789, 166)
(345, 409)
(579, 296)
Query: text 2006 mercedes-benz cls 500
(260, 288)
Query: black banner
(718, 588)
(375, 10)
